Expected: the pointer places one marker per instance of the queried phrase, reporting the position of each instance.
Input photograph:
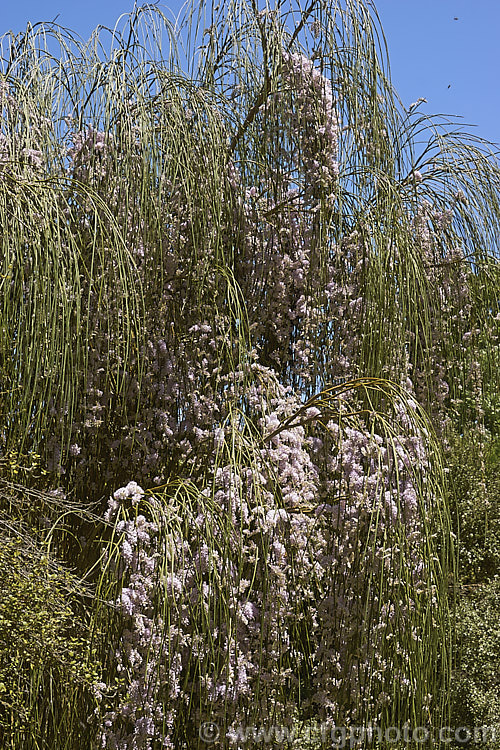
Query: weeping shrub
(229, 297)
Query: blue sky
(454, 64)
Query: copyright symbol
(209, 732)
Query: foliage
(475, 495)
(476, 681)
(45, 670)
(474, 472)
(229, 298)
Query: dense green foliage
(474, 463)
(46, 665)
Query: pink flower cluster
(313, 128)
(249, 588)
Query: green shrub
(475, 496)
(476, 684)
(43, 650)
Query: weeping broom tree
(232, 286)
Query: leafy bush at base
(475, 493)
(44, 665)
(476, 681)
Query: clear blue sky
(454, 64)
